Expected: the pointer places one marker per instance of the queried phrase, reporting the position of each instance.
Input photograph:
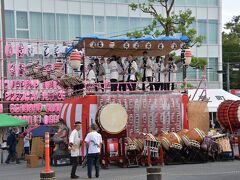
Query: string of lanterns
(136, 45)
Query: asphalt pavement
(229, 170)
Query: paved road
(229, 170)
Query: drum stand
(120, 159)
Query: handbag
(3, 145)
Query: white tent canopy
(215, 96)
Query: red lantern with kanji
(188, 56)
(75, 59)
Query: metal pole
(228, 77)
(4, 62)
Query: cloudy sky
(230, 8)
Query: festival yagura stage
(147, 113)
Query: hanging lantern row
(135, 45)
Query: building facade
(63, 20)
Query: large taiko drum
(112, 118)
(194, 137)
(228, 114)
(171, 140)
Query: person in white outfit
(147, 67)
(99, 73)
(91, 77)
(122, 74)
(113, 73)
(170, 78)
(131, 69)
(159, 69)
(94, 142)
(75, 142)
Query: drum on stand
(171, 140)
(112, 118)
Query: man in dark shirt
(12, 143)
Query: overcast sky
(230, 8)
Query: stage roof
(100, 46)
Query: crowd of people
(146, 73)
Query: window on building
(135, 24)
(202, 29)
(99, 24)
(22, 25)
(191, 73)
(49, 32)
(22, 20)
(9, 23)
(191, 2)
(110, 1)
(87, 22)
(111, 26)
(122, 1)
(213, 32)
(74, 26)
(213, 2)
(62, 26)
(212, 72)
(202, 2)
(123, 26)
(146, 21)
(35, 25)
(180, 3)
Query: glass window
(202, 29)
(213, 32)
(203, 2)
(213, 2)
(135, 24)
(146, 21)
(180, 2)
(62, 26)
(74, 26)
(87, 29)
(22, 34)
(122, 1)
(9, 22)
(191, 73)
(112, 30)
(99, 24)
(123, 25)
(35, 25)
(49, 26)
(22, 20)
(213, 65)
(110, 1)
(191, 2)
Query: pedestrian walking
(26, 142)
(11, 146)
(93, 141)
(75, 142)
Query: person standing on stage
(94, 142)
(131, 71)
(159, 73)
(99, 73)
(122, 74)
(171, 69)
(147, 67)
(75, 142)
(113, 73)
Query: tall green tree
(168, 24)
(231, 51)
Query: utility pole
(4, 62)
(228, 77)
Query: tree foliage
(231, 51)
(231, 40)
(170, 23)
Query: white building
(65, 19)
